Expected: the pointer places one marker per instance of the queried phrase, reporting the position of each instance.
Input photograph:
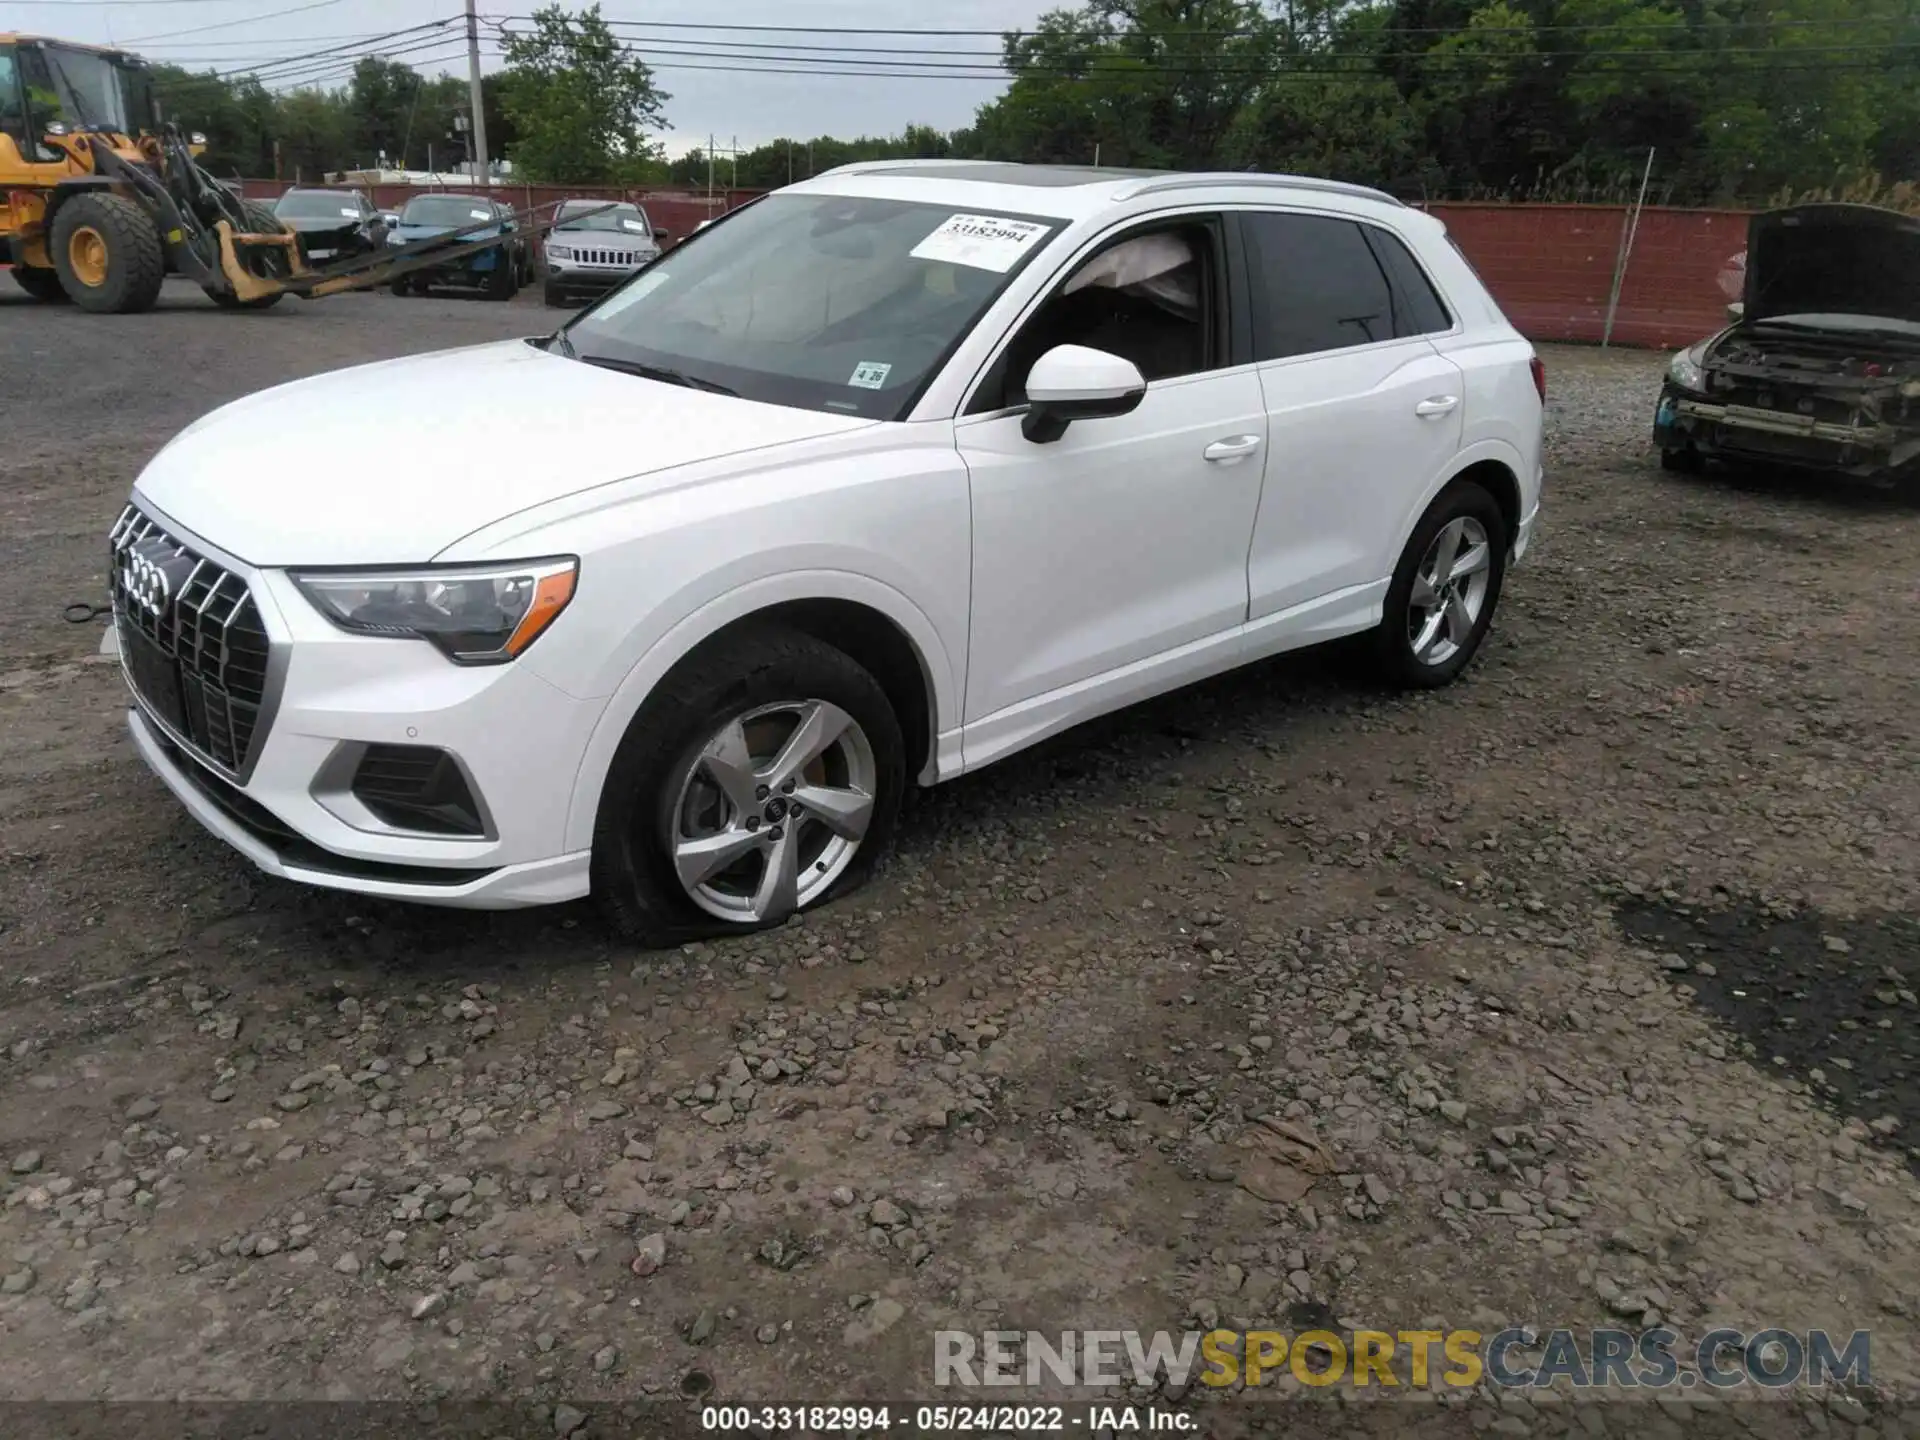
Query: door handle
(1238, 447)
(1436, 405)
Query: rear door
(1363, 412)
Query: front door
(1126, 539)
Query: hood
(425, 232)
(602, 239)
(390, 463)
(312, 224)
(1833, 260)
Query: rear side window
(1417, 307)
(1316, 285)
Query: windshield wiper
(656, 372)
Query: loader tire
(108, 254)
(40, 283)
(260, 221)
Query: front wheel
(502, 282)
(1444, 590)
(762, 778)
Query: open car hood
(1833, 260)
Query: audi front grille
(191, 642)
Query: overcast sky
(233, 34)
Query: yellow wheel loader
(101, 198)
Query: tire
(553, 295)
(1682, 462)
(401, 285)
(41, 284)
(1468, 512)
(768, 678)
(502, 282)
(122, 263)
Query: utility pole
(482, 172)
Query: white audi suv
(888, 475)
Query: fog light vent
(417, 787)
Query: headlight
(474, 614)
(1684, 369)
(559, 252)
(196, 138)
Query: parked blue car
(499, 271)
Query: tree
(580, 101)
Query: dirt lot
(1594, 976)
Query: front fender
(679, 641)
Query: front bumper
(331, 695)
(587, 280)
(1694, 425)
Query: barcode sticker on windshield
(870, 375)
(479, 214)
(633, 225)
(985, 242)
(349, 212)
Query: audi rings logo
(145, 583)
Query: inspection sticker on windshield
(349, 212)
(633, 225)
(479, 214)
(986, 242)
(870, 375)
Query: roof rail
(865, 167)
(1241, 177)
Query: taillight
(1539, 369)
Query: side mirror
(658, 233)
(1735, 311)
(1073, 382)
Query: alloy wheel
(1449, 591)
(772, 810)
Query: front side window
(85, 90)
(1316, 285)
(1151, 296)
(825, 302)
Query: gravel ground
(1590, 983)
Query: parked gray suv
(593, 248)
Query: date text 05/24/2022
(954, 1419)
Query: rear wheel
(761, 779)
(1444, 590)
(40, 283)
(107, 252)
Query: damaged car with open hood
(1820, 369)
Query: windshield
(588, 215)
(318, 205)
(456, 212)
(824, 302)
(92, 85)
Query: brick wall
(1551, 268)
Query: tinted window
(1417, 307)
(1316, 286)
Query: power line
(231, 24)
(364, 49)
